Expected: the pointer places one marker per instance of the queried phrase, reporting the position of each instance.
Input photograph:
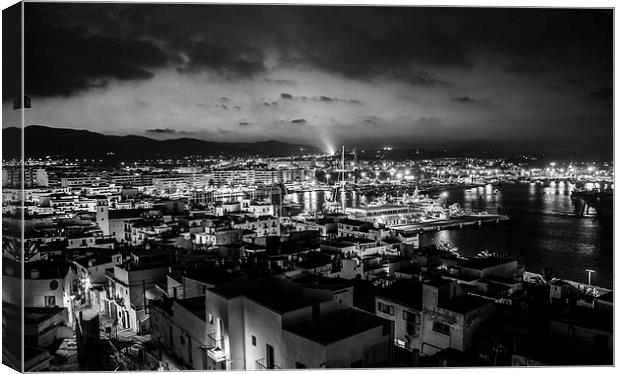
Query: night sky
(531, 78)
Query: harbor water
(544, 230)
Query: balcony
(215, 348)
(261, 364)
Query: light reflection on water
(544, 230)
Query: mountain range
(41, 141)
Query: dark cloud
(605, 93)
(415, 78)
(324, 99)
(401, 59)
(244, 124)
(161, 131)
(524, 67)
(464, 99)
(284, 82)
(63, 61)
(403, 43)
(299, 121)
(11, 46)
(226, 58)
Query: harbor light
(590, 271)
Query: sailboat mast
(343, 182)
(342, 165)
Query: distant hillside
(42, 141)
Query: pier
(460, 222)
(601, 201)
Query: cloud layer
(320, 74)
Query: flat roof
(465, 304)
(480, 263)
(270, 292)
(125, 213)
(337, 326)
(196, 305)
(405, 292)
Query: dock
(460, 222)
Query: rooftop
(337, 326)
(465, 304)
(96, 260)
(480, 263)
(276, 294)
(125, 213)
(196, 305)
(404, 292)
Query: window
(299, 365)
(387, 309)
(411, 317)
(254, 340)
(357, 364)
(210, 318)
(50, 300)
(182, 339)
(441, 327)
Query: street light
(590, 271)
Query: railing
(261, 364)
(215, 348)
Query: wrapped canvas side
(13, 352)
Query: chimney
(34, 273)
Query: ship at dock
(601, 201)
